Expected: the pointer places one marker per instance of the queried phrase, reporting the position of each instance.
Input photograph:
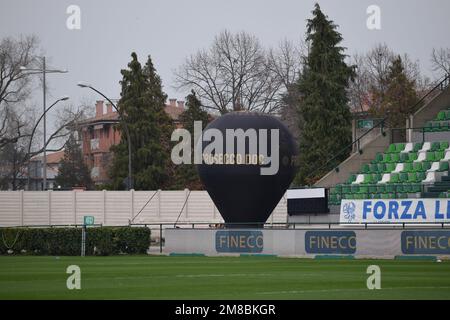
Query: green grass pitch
(168, 277)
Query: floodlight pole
(44, 72)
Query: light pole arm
(32, 135)
(37, 123)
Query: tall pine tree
(186, 174)
(323, 107)
(142, 108)
(72, 171)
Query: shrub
(67, 241)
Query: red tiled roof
(173, 111)
(54, 157)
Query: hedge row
(67, 241)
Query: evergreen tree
(142, 107)
(186, 174)
(400, 95)
(73, 172)
(323, 108)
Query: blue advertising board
(239, 241)
(330, 242)
(426, 242)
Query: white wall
(111, 208)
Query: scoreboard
(307, 201)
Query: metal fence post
(49, 205)
(160, 237)
(21, 207)
(74, 206)
(104, 206)
(83, 241)
(186, 194)
(132, 204)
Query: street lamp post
(44, 72)
(34, 130)
(127, 132)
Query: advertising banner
(395, 211)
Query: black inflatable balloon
(242, 194)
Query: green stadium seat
(444, 146)
(381, 188)
(377, 177)
(412, 156)
(403, 157)
(435, 146)
(441, 116)
(417, 167)
(439, 155)
(395, 158)
(443, 166)
(408, 167)
(417, 147)
(372, 189)
(391, 148)
(368, 178)
(365, 168)
(346, 189)
(391, 188)
(399, 147)
(394, 178)
(430, 156)
(363, 189)
(426, 165)
(355, 188)
(421, 176)
(412, 177)
(435, 127)
(389, 167)
(444, 126)
(351, 179)
(373, 168)
(407, 187)
(403, 177)
(386, 158)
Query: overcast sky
(170, 30)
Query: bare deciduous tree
(14, 85)
(236, 73)
(440, 59)
(371, 74)
(18, 121)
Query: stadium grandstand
(397, 163)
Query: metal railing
(158, 243)
(440, 86)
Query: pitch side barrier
(360, 240)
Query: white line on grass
(343, 290)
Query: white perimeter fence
(112, 208)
